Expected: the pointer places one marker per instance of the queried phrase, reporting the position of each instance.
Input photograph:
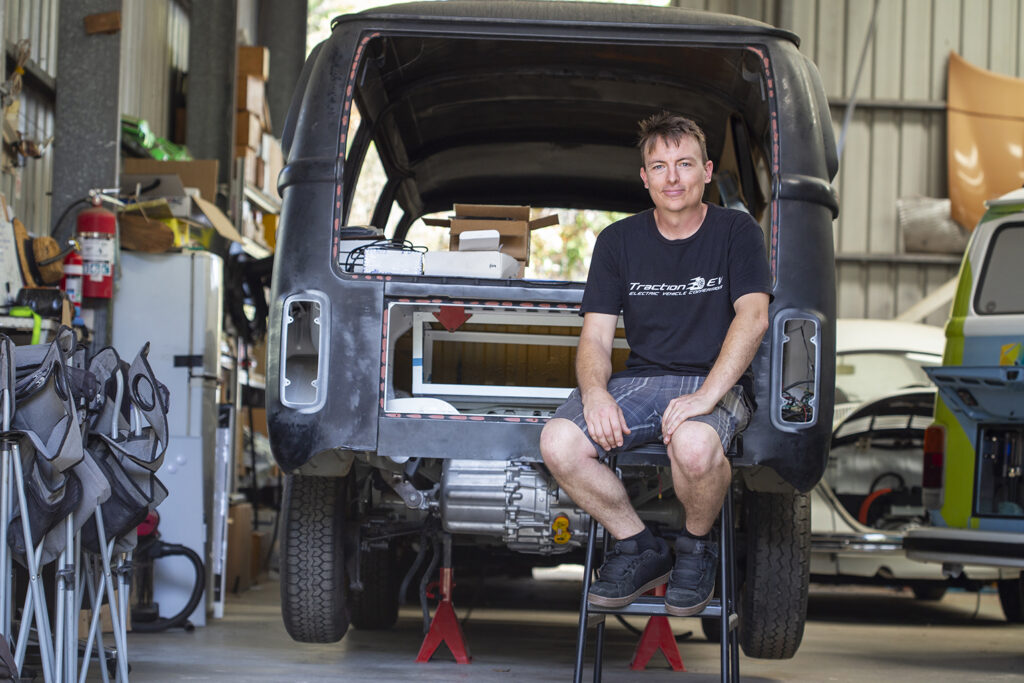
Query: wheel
(929, 591)
(773, 599)
(1011, 598)
(313, 586)
(376, 606)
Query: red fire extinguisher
(96, 234)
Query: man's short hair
(672, 128)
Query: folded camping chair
(42, 440)
(127, 438)
(126, 450)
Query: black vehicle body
(526, 103)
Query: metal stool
(723, 607)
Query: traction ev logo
(697, 285)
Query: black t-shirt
(676, 296)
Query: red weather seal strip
(773, 256)
(346, 109)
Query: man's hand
(681, 409)
(605, 421)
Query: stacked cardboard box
(251, 114)
(254, 142)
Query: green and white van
(973, 482)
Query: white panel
(858, 19)
(1003, 36)
(915, 156)
(974, 20)
(945, 39)
(753, 9)
(854, 188)
(801, 17)
(887, 49)
(884, 169)
(880, 291)
(909, 287)
(1020, 38)
(850, 293)
(831, 43)
(937, 169)
(917, 50)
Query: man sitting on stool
(692, 283)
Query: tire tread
(773, 605)
(313, 590)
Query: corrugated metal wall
(896, 142)
(26, 191)
(154, 46)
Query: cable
(357, 257)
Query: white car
(871, 492)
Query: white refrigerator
(174, 301)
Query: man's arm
(741, 342)
(605, 421)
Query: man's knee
(696, 450)
(563, 443)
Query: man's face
(675, 174)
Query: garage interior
(144, 142)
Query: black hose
(435, 561)
(67, 210)
(403, 589)
(161, 549)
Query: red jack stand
(657, 635)
(445, 628)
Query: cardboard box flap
(468, 212)
(544, 221)
(221, 223)
(491, 211)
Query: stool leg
(723, 557)
(734, 643)
(581, 634)
(729, 644)
(599, 641)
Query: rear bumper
(966, 546)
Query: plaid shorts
(643, 400)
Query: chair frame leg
(581, 634)
(729, 643)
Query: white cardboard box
(490, 264)
(401, 261)
(480, 240)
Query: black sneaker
(693, 580)
(627, 574)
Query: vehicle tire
(929, 591)
(314, 592)
(375, 607)
(1011, 598)
(773, 599)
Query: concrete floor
(527, 630)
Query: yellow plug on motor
(561, 529)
